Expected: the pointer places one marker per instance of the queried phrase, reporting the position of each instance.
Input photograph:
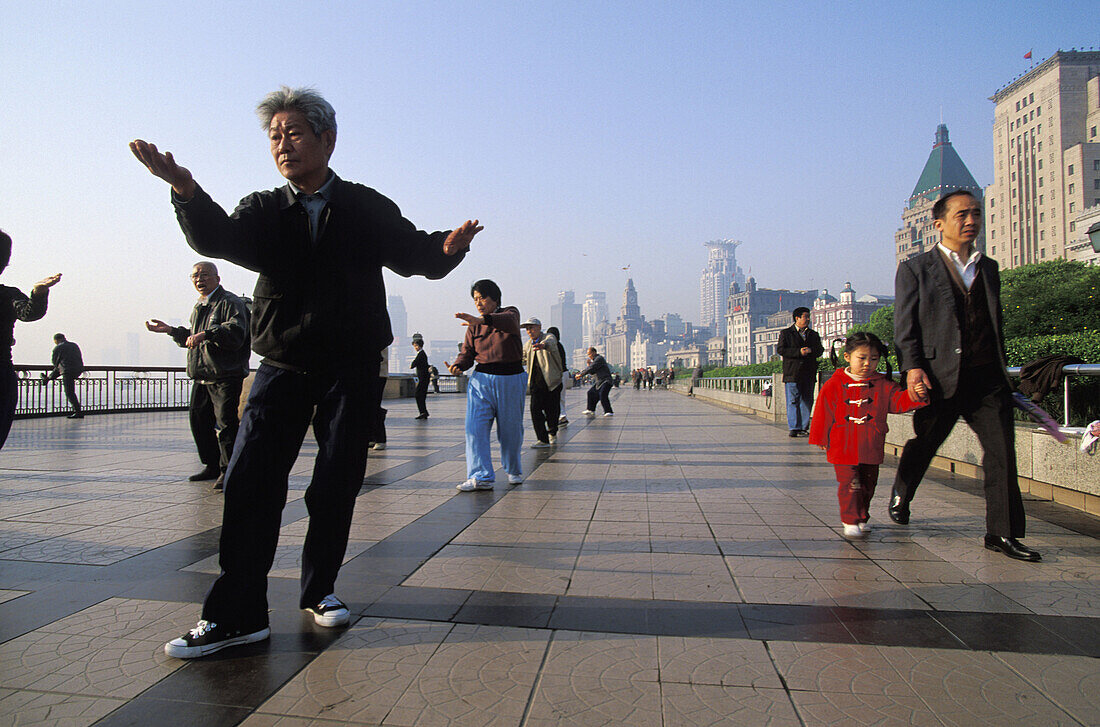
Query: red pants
(855, 487)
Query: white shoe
(589, 413)
(378, 446)
(471, 484)
(852, 532)
(563, 422)
(609, 413)
(553, 438)
(330, 612)
(540, 445)
(515, 479)
(865, 527)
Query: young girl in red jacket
(849, 423)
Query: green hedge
(1085, 346)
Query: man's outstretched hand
(42, 287)
(458, 240)
(165, 167)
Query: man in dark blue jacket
(319, 321)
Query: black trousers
(422, 395)
(545, 411)
(281, 406)
(983, 400)
(214, 420)
(9, 397)
(599, 391)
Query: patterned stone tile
(15, 534)
(692, 705)
(599, 656)
(844, 709)
(1054, 599)
(966, 688)
(846, 569)
(721, 662)
(88, 664)
(576, 700)
(828, 548)
(872, 594)
(767, 567)
(126, 618)
(783, 590)
(965, 597)
(363, 675)
(480, 675)
(842, 668)
(1071, 682)
(922, 571)
(21, 707)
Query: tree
(881, 324)
(1053, 297)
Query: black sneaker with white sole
(208, 637)
(330, 612)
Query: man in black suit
(799, 346)
(948, 330)
(68, 364)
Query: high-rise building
(593, 313)
(566, 315)
(748, 309)
(1046, 158)
(399, 319)
(718, 276)
(943, 172)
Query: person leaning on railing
(14, 305)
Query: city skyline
(596, 143)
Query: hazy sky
(587, 137)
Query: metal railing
(755, 384)
(103, 389)
(1069, 371)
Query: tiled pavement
(674, 565)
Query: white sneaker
(609, 413)
(515, 479)
(563, 422)
(540, 445)
(553, 438)
(589, 413)
(865, 527)
(378, 446)
(330, 612)
(471, 484)
(852, 532)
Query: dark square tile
(529, 610)
(896, 627)
(1005, 632)
(428, 604)
(794, 623)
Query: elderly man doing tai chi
(319, 321)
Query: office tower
(718, 276)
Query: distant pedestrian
(496, 388)
(217, 344)
(68, 365)
(800, 347)
(597, 366)
(696, 374)
(433, 376)
(543, 362)
(376, 391)
(420, 363)
(15, 306)
(563, 420)
(849, 423)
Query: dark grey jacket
(599, 368)
(797, 367)
(317, 305)
(224, 354)
(66, 360)
(926, 324)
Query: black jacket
(797, 367)
(317, 305)
(14, 305)
(66, 360)
(926, 324)
(224, 354)
(420, 363)
(599, 368)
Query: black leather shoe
(1011, 547)
(422, 416)
(208, 473)
(898, 510)
(75, 415)
(793, 433)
